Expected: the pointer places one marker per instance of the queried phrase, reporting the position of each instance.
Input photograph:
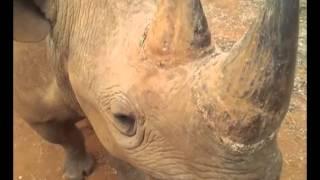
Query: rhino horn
(252, 84)
(178, 26)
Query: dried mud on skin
(35, 159)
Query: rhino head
(157, 93)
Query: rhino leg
(78, 162)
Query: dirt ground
(35, 159)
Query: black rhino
(146, 76)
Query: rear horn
(179, 26)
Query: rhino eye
(125, 123)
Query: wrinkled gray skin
(148, 79)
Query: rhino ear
(29, 23)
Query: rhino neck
(59, 67)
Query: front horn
(250, 88)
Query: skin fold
(148, 78)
